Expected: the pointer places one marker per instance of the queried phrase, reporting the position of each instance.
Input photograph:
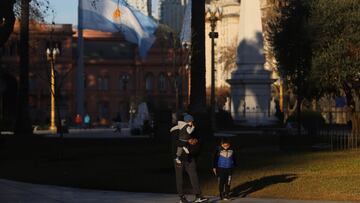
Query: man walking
(188, 164)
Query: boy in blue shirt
(223, 164)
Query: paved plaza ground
(91, 133)
(12, 191)
(97, 167)
(88, 133)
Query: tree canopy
(10, 10)
(317, 47)
(290, 40)
(336, 57)
(7, 20)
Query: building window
(13, 48)
(149, 82)
(124, 82)
(33, 83)
(162, 82)
(104, 109)
(103, 83)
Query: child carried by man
(185, 128)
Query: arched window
(103, 83)
(125, 82)
(103, 109)
(162, 82)
(149, 80)
(33, 83)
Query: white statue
(141, 116)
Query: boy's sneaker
(183, 200)
(200, 199)
(186, 150)
(178, 160)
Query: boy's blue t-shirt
(224, 158)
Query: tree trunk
(298, 113)
(7, 21)
(355, 130)
(290, 109)
(23, 125)
(60, 127)
(198, 92)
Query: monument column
(250, 82)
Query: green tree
(10, 9)
(336, 58)
(23, 124)
(22, 9)
(290, 40)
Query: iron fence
(338, 137)
(328, 137)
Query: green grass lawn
(146, 165)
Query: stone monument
(250, 82)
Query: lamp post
(213, 13)
(51, 53)
(132, 112)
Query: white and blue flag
(118, 16)
(185, 34)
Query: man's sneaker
(186, 150)
(183, 200)
(200, 199)
(226, 198)
(178, 160)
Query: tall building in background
(172, 13)
(143, 5)
(156, 9)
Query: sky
(66, 11)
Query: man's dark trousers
(190, 168)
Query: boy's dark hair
(225, 140)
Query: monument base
(267, 121)
(250, 102)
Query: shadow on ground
(247, 188)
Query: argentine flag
(185, 34)
(118, 16)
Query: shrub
(310, 120)
(224, 119)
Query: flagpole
(80, 65)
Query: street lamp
(213, 13)
(132, 112)
(51, 53)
